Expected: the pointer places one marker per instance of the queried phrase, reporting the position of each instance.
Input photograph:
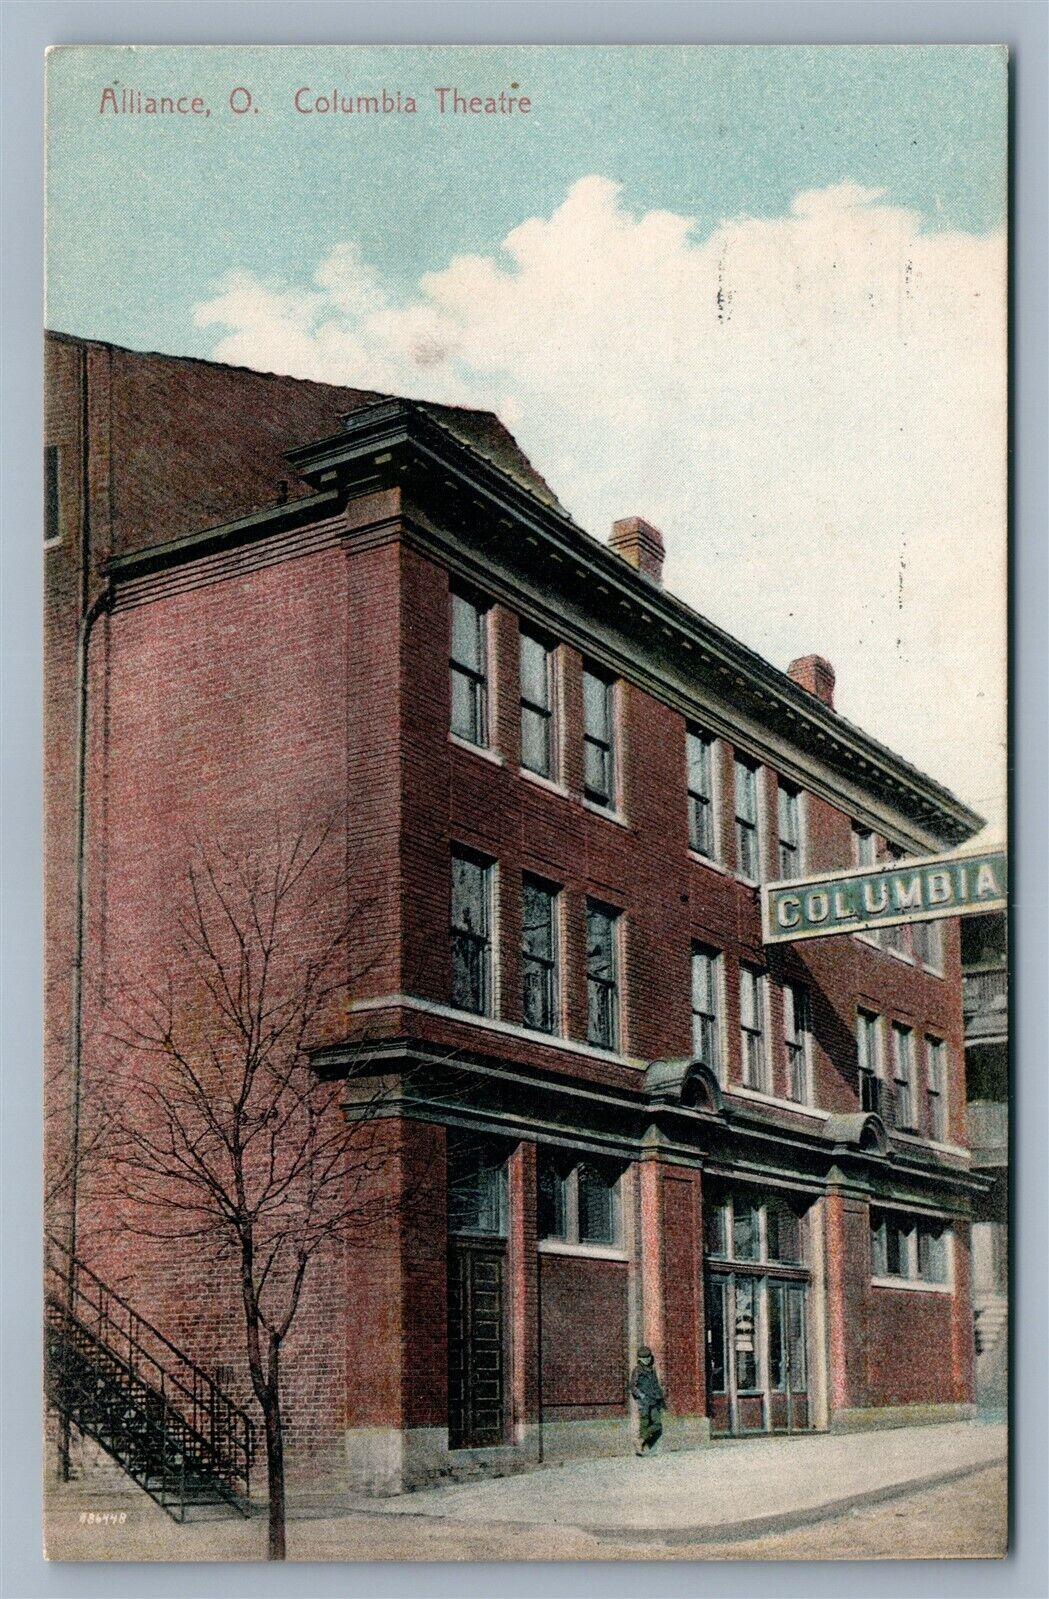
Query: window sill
(559, 1246)
(899, 955)
(933, 971)
(708, 860)
(494, 1024)
(491, 756)
(607, 812)
(757, 1094)
(546, 783)
(911, 1285)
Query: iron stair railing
(156, 1412)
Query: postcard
(526, 876)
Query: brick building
(562, 789)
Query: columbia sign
(906, 891)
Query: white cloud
(811, 407)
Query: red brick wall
(909, 1349)
(583, 1308)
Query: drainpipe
(90, 613)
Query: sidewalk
(735, 1489)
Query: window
(869, 1060)
(599, 739)
(578, 1201)
(748, 853)
(471, 933)
(540, 996)
(913, 1249)
(928, 943)
(537, 706)
(895, 937)
(752, 1028)
(864, 847)
(903, 1075)
(744, 1226)
(469, 664)
(52, 496)
(701, 828)
(791, 862)
(477, 1186)
(936, 1084)
(796, 1030)
(706, 1019)
(602, 980)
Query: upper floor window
(864, 846)
(791, 861)
(471, 932)
(797, 1029)
(936, 1085)
(579, 1201)
(469, 662)
(599, 743)
(869, 1060)
(895, 937)
(701, 824)
(928, 944)
(752, 1028)
(540, 998)
(52, 496)
(903, 1075)
(537, 706)
(910, 1248)
(748, 852)
(602, 975)
(706, 1007)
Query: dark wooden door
(476, 1361)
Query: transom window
(914, 1249)
(706, 1007)
(701, 828)
(602, 976)
(469, 667)
(477, 1186)
(936, 1083)
(790, 842)
(540, 997)
(471, 932)
(752, 1028)
(903, 1075)
(537, 706)
(744, 1226)
(748, 853)
(599, 739)
(797, 1029)
(579, 1201)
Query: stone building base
(877, 1416)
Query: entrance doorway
(477, 1341)
(757, 1360)
(757, 1287)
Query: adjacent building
(563, 789)
(985, 985)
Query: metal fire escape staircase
(119, 1381)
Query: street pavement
(736, 1488)
(930, 1492)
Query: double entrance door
(757, 1353)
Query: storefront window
(578, 1204)
(746, 1227)
(914, 1249)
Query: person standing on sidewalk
(647, 1389)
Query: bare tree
(229, 1141)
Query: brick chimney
(638, 542)
(815, 674)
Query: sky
(755, 295)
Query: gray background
(26, 30)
